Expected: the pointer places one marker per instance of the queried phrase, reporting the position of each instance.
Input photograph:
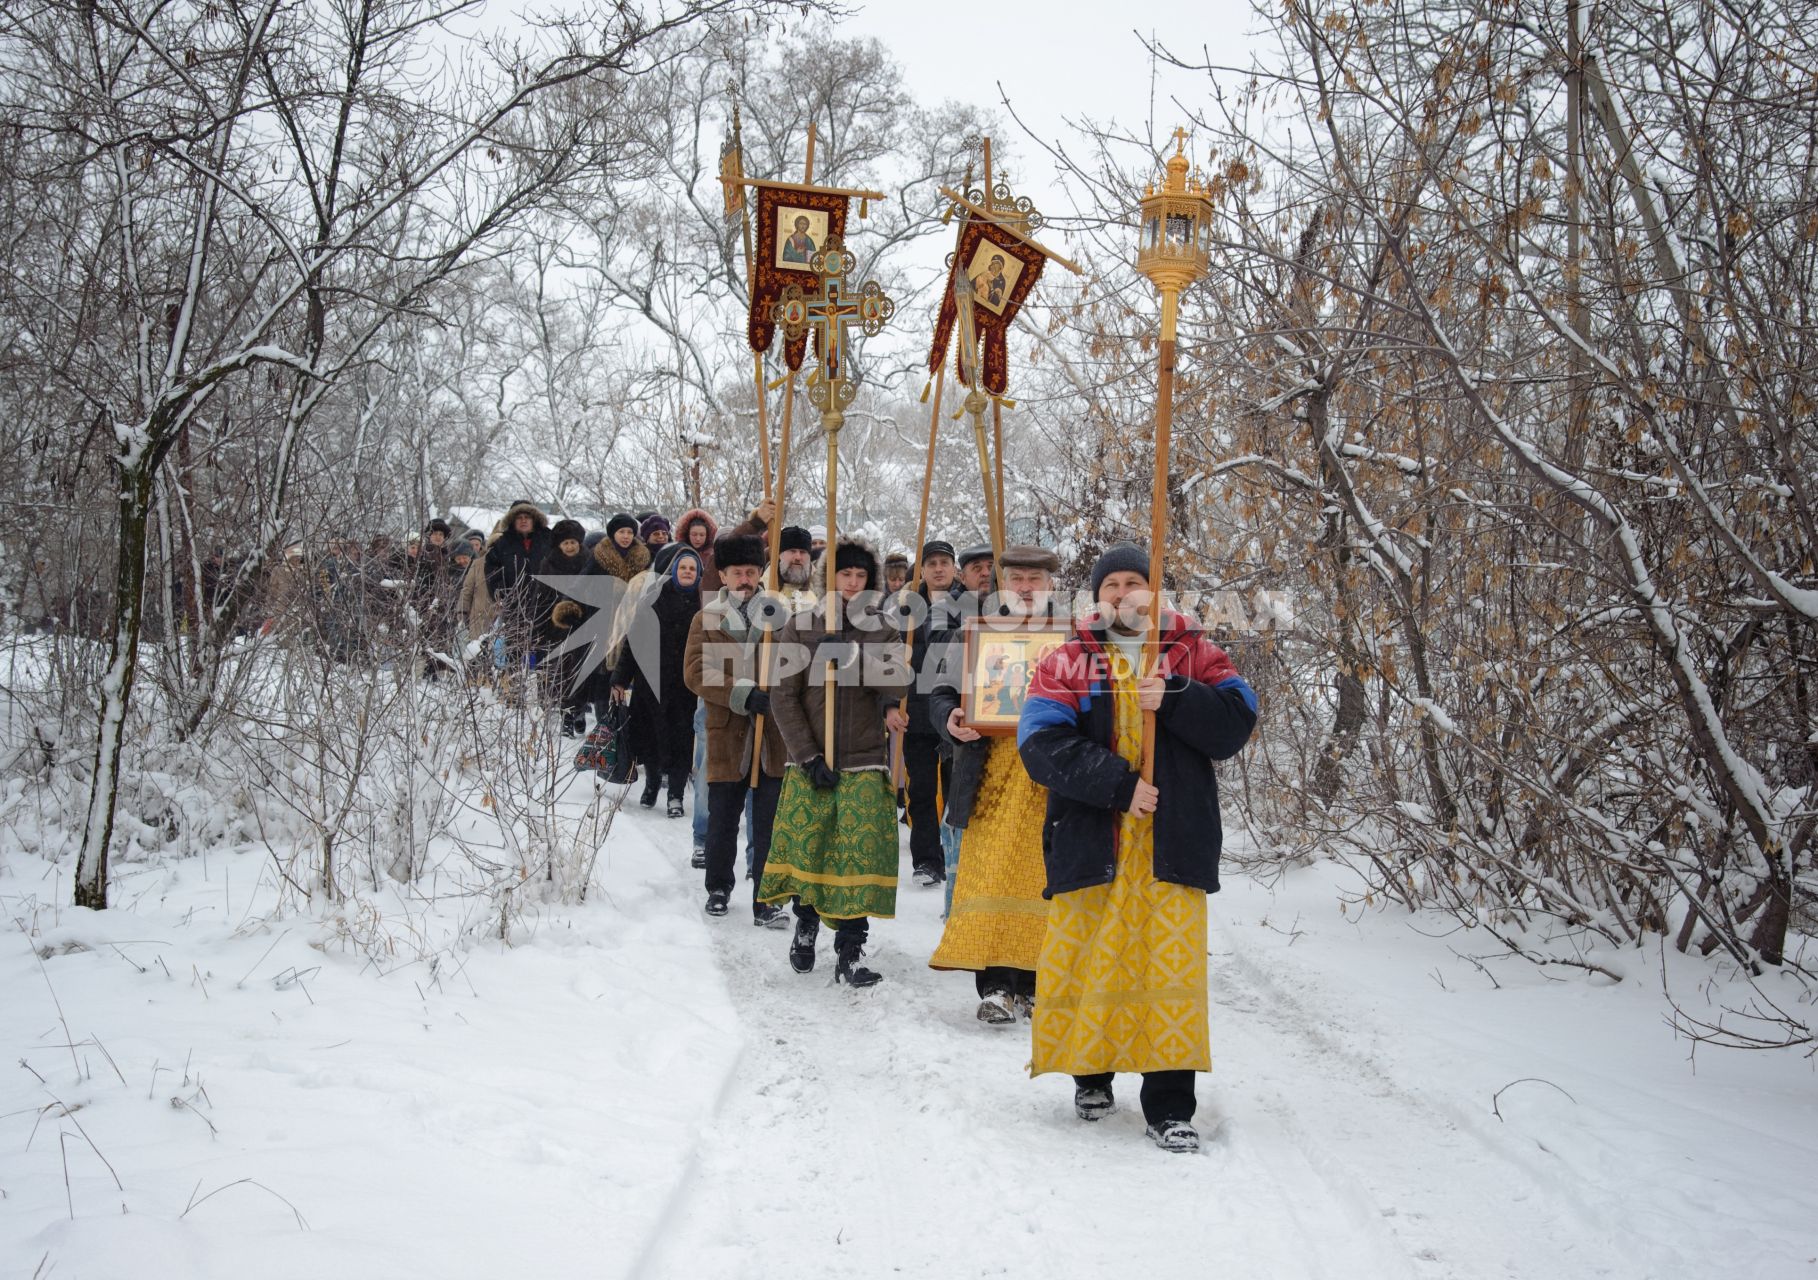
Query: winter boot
(847, 969)
(574, 724)
(767, 915)
(930, 875)
(716, 901)
(1093, 1103)
(678, 810)
(652, 785)
(995, 1010)
(801, 947)
(1024, 1006)
(699, 861)
(1176, 1136)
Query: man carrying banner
(720, 665)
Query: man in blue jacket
(1121, 985)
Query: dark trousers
(858, 927)
(725, 806)
(1001, 980)
(928, 770)
(1167, 1095)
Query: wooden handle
(1158, 515)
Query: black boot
(653, 783)
(801, 947)
(848, 970)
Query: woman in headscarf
(650, 671)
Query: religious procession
(1050, 746)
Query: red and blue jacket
(1067, 736)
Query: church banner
(1002, 270)
(793, 223)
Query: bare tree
(252, 196)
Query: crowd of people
(821, 705)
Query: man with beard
(720, 665)
(998, 919)
(1121, 982)
(795, 563)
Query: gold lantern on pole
(1175, 249)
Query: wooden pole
(1158, 511)
(757, 357)
(834, 605)
(921, 539)
(773, 573)
(830, 424)
(997, 466)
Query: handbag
(605, 749)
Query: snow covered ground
(636, 1090)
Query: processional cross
(831, 312)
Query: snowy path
(887, 1133)
(634, 1090)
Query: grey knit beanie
(1124, 557)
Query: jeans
(726, 804)
(702, 800)
(950, 851)
(1166, 1095)
(751, 839)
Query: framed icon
(999, 660)
(800, 233)
(994, 273)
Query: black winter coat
(662, 713)
(1067, 737)
(510, 561)
(943, 616)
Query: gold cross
(831, 313)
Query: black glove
(757, 703)
(821, 774)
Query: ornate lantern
(1174, 251)
(1176, 245)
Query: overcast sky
(1083, 60)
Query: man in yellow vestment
(1121, 981)
(997, 920)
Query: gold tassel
(927, 387)
(864, 208)
(772, 386)
(1008, 404)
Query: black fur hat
(731, 549)
(855, 553)
(795, 538)
(566, 529)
